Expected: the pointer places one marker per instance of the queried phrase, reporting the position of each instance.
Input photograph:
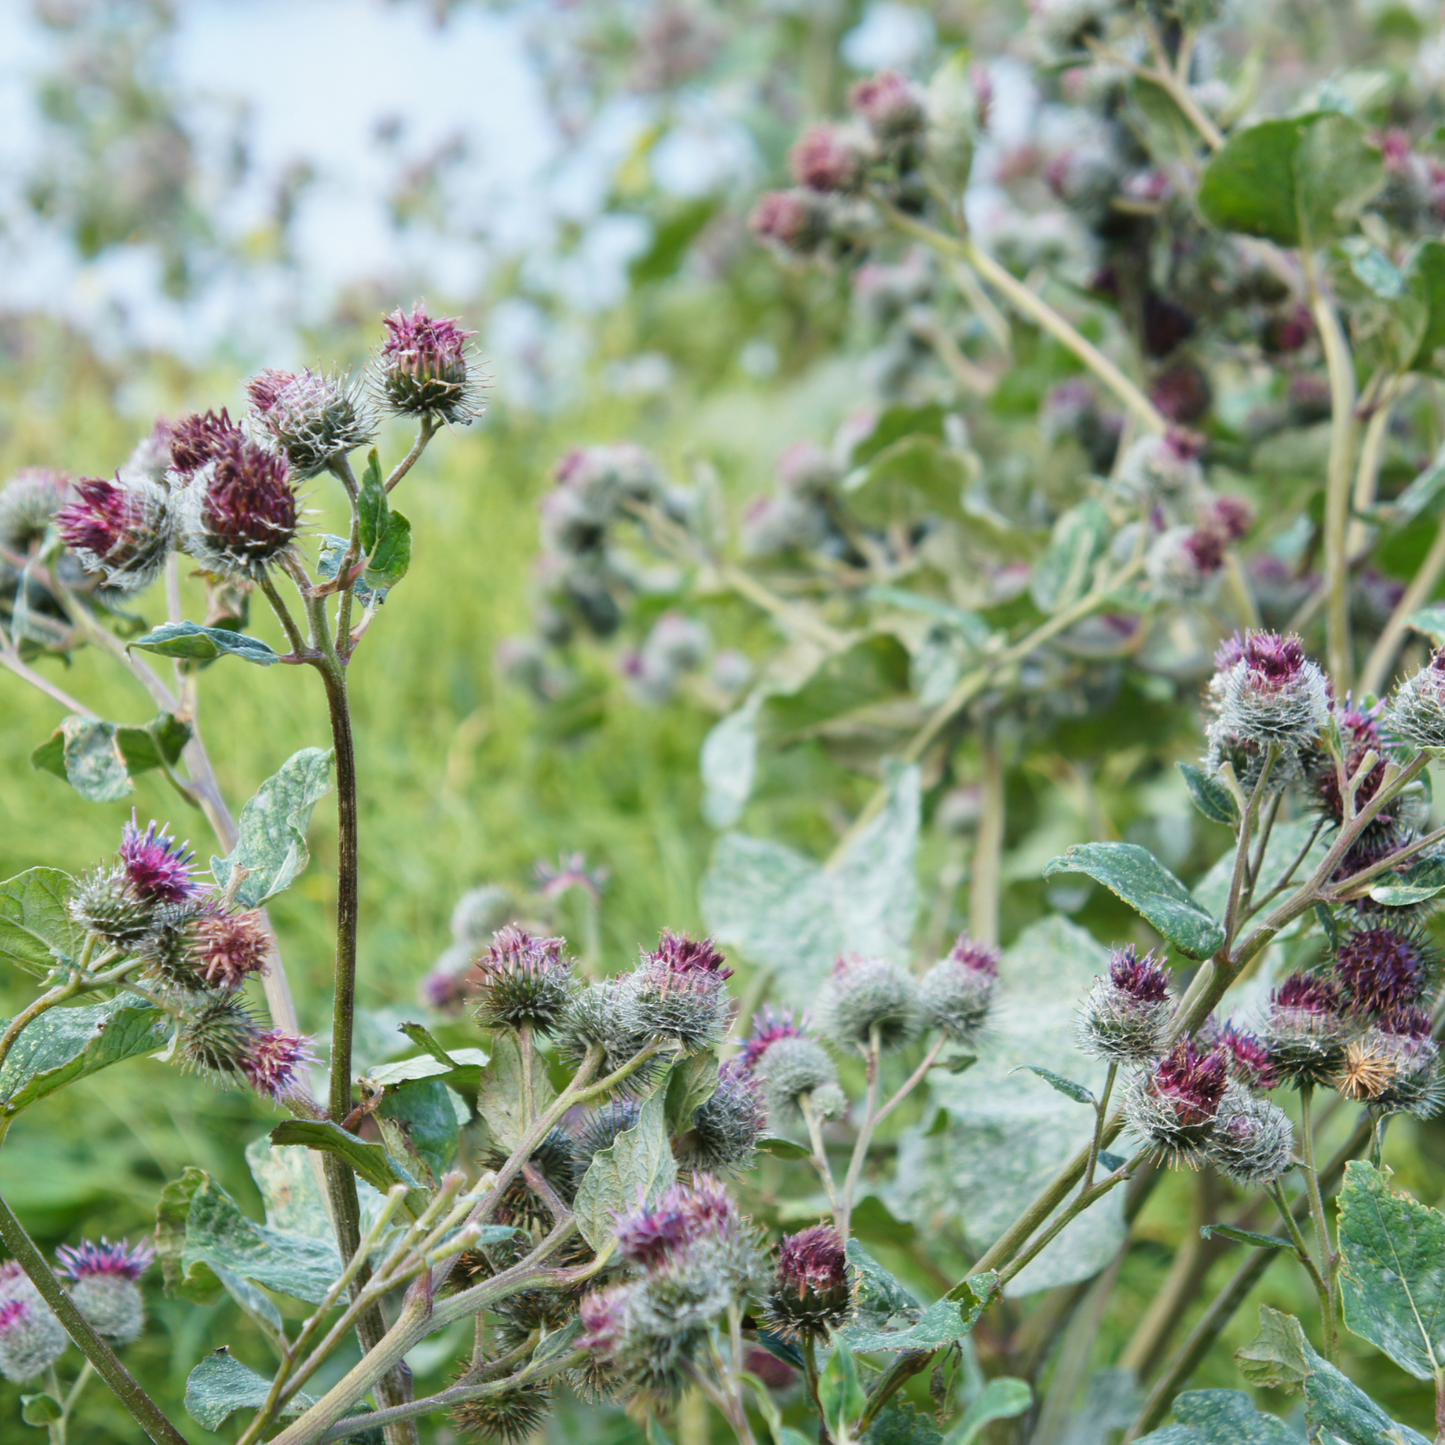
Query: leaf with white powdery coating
(370, 1162)
(100, 760)
(1002, 1399)
(191, 642)
(1211, 797)
(36, 929)
(1147, 886)
(499, 1101)
(272, 828)
(637, 1165)
(940, 1324)
(1220, 1417)
(220, 1385)
(1393, 1281)
(67, 1044)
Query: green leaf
(464, 1073)
(1244, 1236)
(67, 1044)
(840, 1391)
(100, 760)
(1388, 307)
(728, 763)
(1210, 796)
(194, 643)
(289, 1188)
(1077, 1092)
(900, 1423)
(417, 1119)
(370, 1162)
(36, 929)
(1292, 180)
(40, 1409)
(499, 1101)
(794, 915)
(692, 1082)
(1431, 621)
(1336, 1404)
(656, 1435)
(220, 1385)
(272, 827)
(940, 1324)
(1001, 1399)
(907, 480)
(879, 1293)
(637, 1165)
(1419, 880)
(1427, 262)
(421, 1036)
(1279, 1357)
(873, 670)
(1147, 886)
(1393, 1280)
(218, 1234)
(1220, 1417)
(330, 554)
(388, 563)
(172, 1211)
(1062, 575)
(371, 507)
(781, 1148)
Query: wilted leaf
(1147, 886)
(1279, 1357)
(272, 828)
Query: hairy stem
(146, 1413)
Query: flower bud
(1360, 731)
(1182, 393)
(523, 982)
(1305, 1034)
(1252, 1139)
(1382, 968)
(123, 529)
(830, 158)
(104, 1285)
(955, 994)
(1273, 694)
(726, 1127)
(812, 1293)
(31, 1339)
(106, 904)
(1174, 1104)
(603, 1016)
(679, 992)
(1417, 711)
(425, 368)
(201, 438)
(312, 418)
(1162, 466)
(217, 1041)
(274, 1063)
(868, 995)
(797, 222)
(888, 105)
(1125, 1018)
(239, 512)
(1183, 560)
(511, 1416)
(794, 1068)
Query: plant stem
(844, 1210)
(1344, 431)
(427, 432)
(47, 1001)
(820, 1154)
(146, 1413)
(1420, 590)
(1101, 1110)
(1326, 1267)
(983, 894)
(913, 1080)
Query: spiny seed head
(1247, 1056)
(123, 529)
(726, 1127)
(200, 438)
(1382, 968)
(868, 995)
(31, 1338)
(955, 995)
(1395, 1072)
(1274, 694)
(275, 1062)
(106, 904)
(1367, 1069)
(812, 1292)
(1125, 1016)
(520, 1205)
(830, 158)
(769, 1025)
(239, 511)
(679, 992)
(1161, 466)
(1252, 1139)
(1417, 711)
(311, 417)
(1173, 1105)
(796, 222)
(151, 455)
(889, 105)
(1306, 1034)
(523, 981)
(104, 1285)
(603, 1015)
(1066, 26)
(599, 1130)
(793, 1067)
(425, 367)
(159, 868)
(218, 1039)
(511, 1416)
(228, 948)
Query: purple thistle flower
(653, 1235)
(1381, 969)
(795, 221)
(200, 438)
(1307, 993)
(274, 1062)
(1407, 1021)
(1417, 711)
(829, 158)
(1248, 1057)
(1274, 662)
(769, 1025)
(31, 1338)
(229, 947)
(239, 510)
(1145, 980)
(1230, 651)
(11, 1313)
(423, 368)
(1192, 1083)
(688, 958)
(889, 104)
(976, 957)
(603, 1313)
(522, 980)
(571, 872)
(159, 868)
(1360, 730)
(123, 529)
(89, 1260)
(813, 1260)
